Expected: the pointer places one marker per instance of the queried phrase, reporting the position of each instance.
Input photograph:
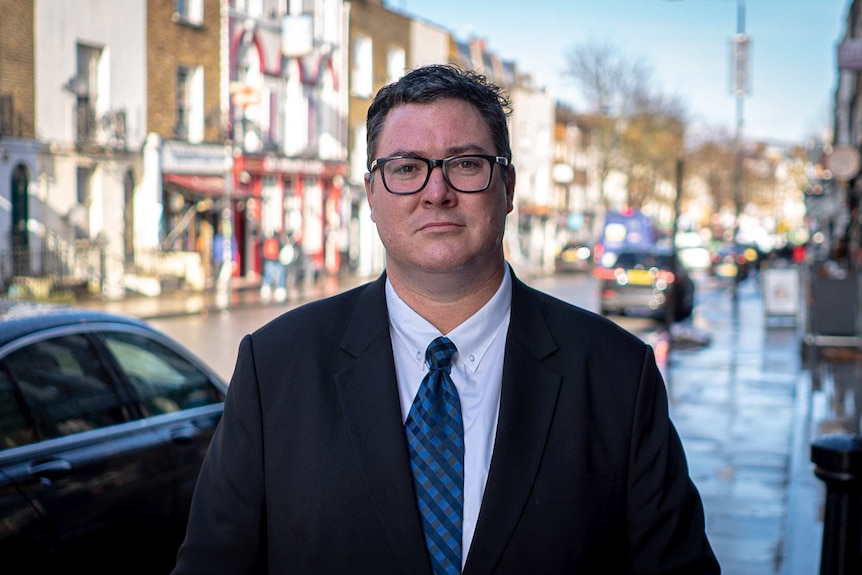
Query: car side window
(164, 381)
(65, 386)
(16, 428)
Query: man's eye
(405, 168)
(467, 164)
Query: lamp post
(740, 45)
(225, 223)
(739, 63)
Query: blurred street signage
(850, 55)
(844, 162)
(739, 65)
(183, 158)
(243, 95)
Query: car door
(105, 477)
(24, 531)
(181, 398)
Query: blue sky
(685, 42)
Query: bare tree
(654, 137)
(607, 80)
(639, 131)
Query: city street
(215, 337)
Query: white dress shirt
(477, 371)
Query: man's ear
(369, 195)
(510, 187)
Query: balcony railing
(105, 129)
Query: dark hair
(436, 82)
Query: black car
(104, 423)
(644, 282)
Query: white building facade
(90, 118)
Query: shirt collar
(472, 338)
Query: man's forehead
(447, 123)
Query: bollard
(838, 462)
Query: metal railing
(106, 129)
(53, 268)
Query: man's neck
(448, 300)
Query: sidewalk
(243, 295)
(746, 406)
(732, 402)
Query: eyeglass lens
(464, 173)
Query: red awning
(210, 186)
(205, 185)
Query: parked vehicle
(695, 258)
(574, 257)
(733, 261)
(644, 282)
(104, 423)
(625, 229)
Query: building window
(189, 104)
(396, 62)
(296, 120)
(183, 101)
(362, 79)
(331, 143)
(189, 11)
(359, 153)
(85, 86)
(272, 119)
(251, 115)
(80, 214)
(252, 8)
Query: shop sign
(185, 158)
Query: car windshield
(643, 260)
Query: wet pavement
(746, 405)
(734, 403)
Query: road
(215, 338)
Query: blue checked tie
(435, 435)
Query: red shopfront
(300, 196)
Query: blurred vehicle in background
(734, 261)
(691, 248)
(695, 258)
(104, 423)
(644, 282)
(574, 257)
(622, 230)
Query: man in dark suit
(537, 441)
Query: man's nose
(437, 183)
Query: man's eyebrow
(404, 153)
(452, 151)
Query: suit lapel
(369, 398)
(527, 404)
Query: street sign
(243, 95)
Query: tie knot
(439, 353)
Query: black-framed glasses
(468, 173)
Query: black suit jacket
(308, 471)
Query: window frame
(189, 12)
